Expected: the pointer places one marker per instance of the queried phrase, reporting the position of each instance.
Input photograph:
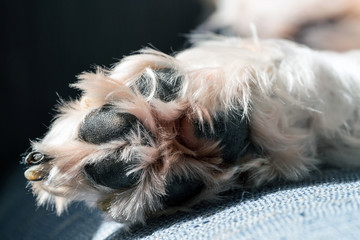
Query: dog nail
(111, 172)
(167, 87)
(104, 205)
(180, 190)
(106, 124)
(34, 173)
(34, 158)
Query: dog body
(311, 22)
(157, 132)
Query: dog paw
(136, 148)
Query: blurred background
(48, 43)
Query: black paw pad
(167, 86)
(106, 124)
(111, 172)
(231, 129)
(180, 190)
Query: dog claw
(34, 158)
(104, 205)
(34, 173)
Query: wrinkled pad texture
(326, 206)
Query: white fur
(302, 106)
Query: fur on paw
(159, 133)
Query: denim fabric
(326, 206)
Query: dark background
(47, 43)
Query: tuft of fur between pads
(159, 133)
